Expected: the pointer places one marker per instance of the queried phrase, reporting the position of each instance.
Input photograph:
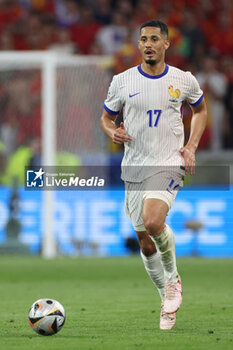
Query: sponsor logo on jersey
(175, 94)
(132, 95)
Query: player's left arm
(198, 124)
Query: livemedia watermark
(132, 178)
(39, 179)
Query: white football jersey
(152, 113)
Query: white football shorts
(163, 185)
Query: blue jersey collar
(153, 76)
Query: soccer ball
(46, 316)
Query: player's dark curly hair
(158, 24)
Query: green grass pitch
(112, 304)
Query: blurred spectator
(6, 40)
(83, 33)
(143, 11)
(63, 43)
(10, 12)
(20, 109)
(128, 55)
(33, 30)
(214, 86)
(190, 29)
(102, 11)
(205, 14)
(48, 32)
(40, 31)
(179, 49)
(168, 13)
(113, 36)
(125, 6)
(14, 165)
(67, 12)
(221, 39)
(226, 65)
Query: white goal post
(48, 63)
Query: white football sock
(155, 270)
(165, 242)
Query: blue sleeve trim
(198, 101)
(110, 111)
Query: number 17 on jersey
(154, 116)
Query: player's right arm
(107, 123)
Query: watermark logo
(142, 178)
(58, 178)
(35, 178)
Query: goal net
(51, 105)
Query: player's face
(152, 45)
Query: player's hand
(120, 136)
(189, 160)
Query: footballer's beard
(151, 62)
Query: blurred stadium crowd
(201, 33)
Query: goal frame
(48, 62)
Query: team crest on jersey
(175, 94)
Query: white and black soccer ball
(46, 316)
